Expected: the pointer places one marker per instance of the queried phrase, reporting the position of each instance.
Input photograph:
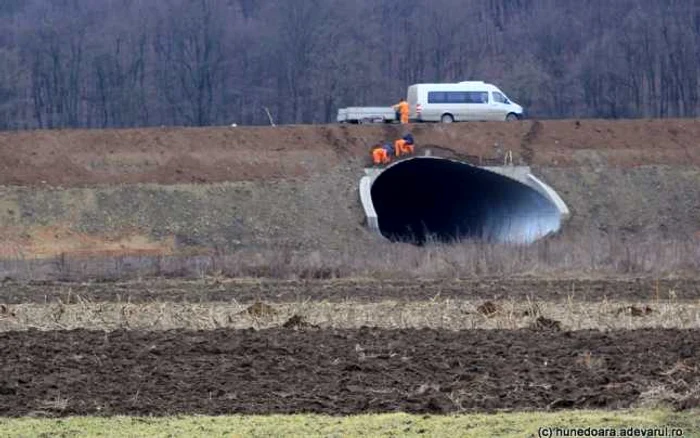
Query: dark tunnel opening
(427, 198)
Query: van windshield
(499, 97)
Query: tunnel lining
(430, 197)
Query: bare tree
(188, 46)
(118, 63)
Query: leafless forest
(121, 63)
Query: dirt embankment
(200, 155)
(169, 190)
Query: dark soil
(338, 372)
(536, 289)
(298, 322)
(542, 323)
(489, 309)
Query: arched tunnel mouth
(425, 199)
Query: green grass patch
(522, 424)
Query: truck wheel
(447, 118)
(511, 117)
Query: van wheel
(511, 117)
(447, 118)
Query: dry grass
(583, 254)
(439, 314)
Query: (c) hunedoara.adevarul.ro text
(604, 432)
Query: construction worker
(404, 145)
(409, 145)
(399, 146)
(402, 109)
(389, 149)
(380, 155)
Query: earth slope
(175, 190)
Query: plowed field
(342, 371)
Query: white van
(464, 101)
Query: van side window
(498, 97)
(437, 97)
(458, 97)
(477, 97)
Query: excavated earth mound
(83, 158)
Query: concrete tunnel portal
(430, 198)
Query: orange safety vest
(402, 107)
(402, 147)
(379, 156)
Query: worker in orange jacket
(380, 154)
(402, 109)
(404, 145)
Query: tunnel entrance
(427, 198)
